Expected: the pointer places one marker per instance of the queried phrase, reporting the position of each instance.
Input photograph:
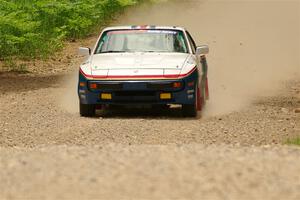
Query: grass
(295, 141)
(10, 66)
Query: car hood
(137, 64)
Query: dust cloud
(69, 101)
(254, 45)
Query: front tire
(191, 110)
(87, 110)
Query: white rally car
(147, 65)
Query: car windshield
(118, 41)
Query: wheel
(191, 110)
(87, 110)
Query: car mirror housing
(84, 51)
(202, 50)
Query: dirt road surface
(234, 151)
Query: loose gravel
(150, 172)
(47, 152)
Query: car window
(142, 41)
(192, 42)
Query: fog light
(165, 96)
(82, 84)
(176, 85)
(93, 86)
(106, 96)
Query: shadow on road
(12, 83)
(142, 113)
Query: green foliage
(10, 66)
(294, 141)
(36, 28)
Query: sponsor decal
(142, 31)
(162, 31)
(126, 32)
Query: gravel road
(236, 150)
(150, 172)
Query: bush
(36, 28)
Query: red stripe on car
(138, 76)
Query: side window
(192, 42)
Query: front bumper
(138, 91)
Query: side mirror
(202, 50)
(84, 51)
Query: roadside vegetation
(34, 29)
(294, 141)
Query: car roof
(133, 27)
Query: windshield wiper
(155, 51)
(112, 51)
